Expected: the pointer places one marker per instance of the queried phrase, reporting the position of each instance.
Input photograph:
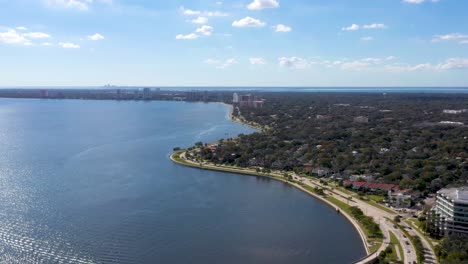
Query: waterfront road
(380, 216)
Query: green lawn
(377, 242)
(386, 209)
(376, 198)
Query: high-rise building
(147, 93)
(235, 98)
(246, 100)
(450, 213)
(44, 93)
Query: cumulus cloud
(205, 30)
(200, 20)
(228, 63)
(386, 64)
(355, 65)
(367, 38)
(263, 4)
(282, 28)
(96, 37)
(257, 61)
(248, 22)
(21, 28)
(459, 37)
(293, 63)
(375, 64)
(353, 27)
(36, 35)
(221, 64)
(69, 45)
(211, 61)
(374, 26)
(187, 36)
(74, 4)
(11, 36)
(189, 12)
(419, 1)
(454, 63)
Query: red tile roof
(372, 185)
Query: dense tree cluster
(396, 138)
(453, 249)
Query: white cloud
(374, 26)
(449, 64)
(96, 37)
(228, 63)
(282, 28)
(74, 4)
(257, 61)
(69, 45)
(461, 38)
(293, 62)
(353, 27)
(187, 37)
(189, 12)
(205, 30)
(82, 5)
(36, 35)
(262, 4)
(221, 64)
(419, 1)
(368, 38)
(454, 63)
(248, 22)
(12, 37)
(355, 65)
(408, 68)
(21, 28)
(211, 61)
(200, 20)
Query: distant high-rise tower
(147, 93)
(235, 98)
(44, 93)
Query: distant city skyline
(303, 43)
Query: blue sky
(234, 43)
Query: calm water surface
(91, 182)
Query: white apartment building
(450, 213)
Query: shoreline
(239, 120)
(185, 162)
(352, 221)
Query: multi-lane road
(383, 219)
